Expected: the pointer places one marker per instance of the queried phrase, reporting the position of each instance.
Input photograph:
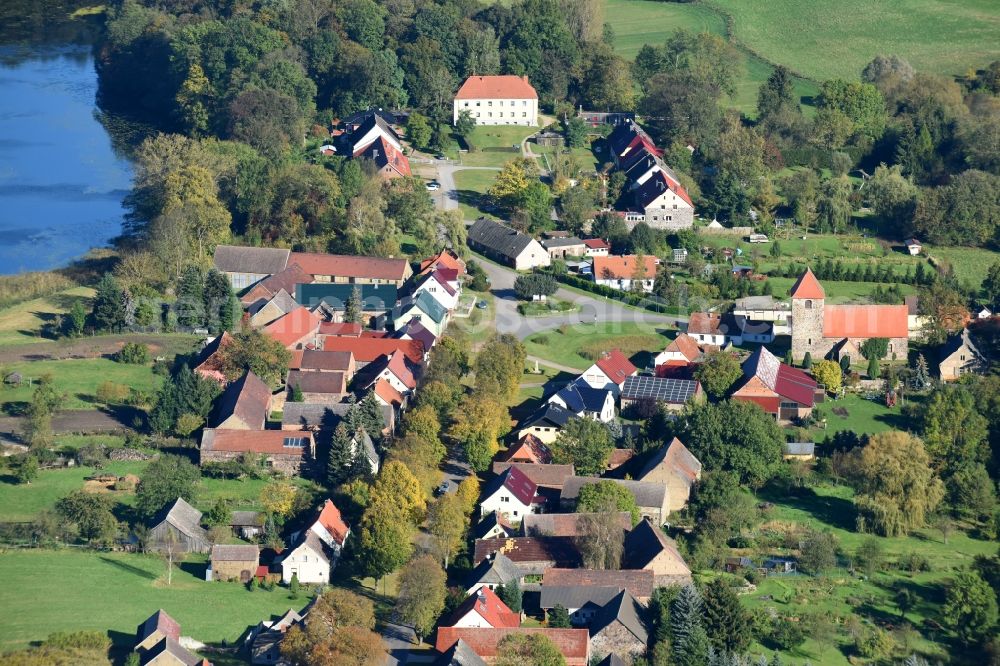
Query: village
(534, 437)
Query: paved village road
(399, 641)
(592, 309)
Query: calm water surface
(61, 184)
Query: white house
(609, 372)
(308, 561)
(913, 246)
(622, 272)
(596, 247)
(664, 202)
(443, 291)
(512, 495)
(397, 374)
(586, 401)
(330, 527)
(682, 349)
(497, 100)
(371, 130)
(484, 610)
(709, 328)
(984, 313)
(507, 246)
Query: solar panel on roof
(661, 389)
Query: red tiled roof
(683, 462)
(211, 366)
(619, 457)
(865, 321)
(685, 345)
(345, 329)
(784, 380)
(528, 449)
(444, 259)
(248, 399)
(315, 381)
(385, 154)
(397, 366)
(616, 366)
(544, 476)
(704, 323)
(292, 327)
(442, 279)
(269, 286)
(254, 441)
(574, 644)
(384, 390)
(490, 608)
(623, 267)
(505, 86)
(638, 582)
(317, 359)
(596, 243)
(561, 551)
(522, 487)
(366, 350)
(350, 266)
(331, 519)
(807, 286)
(159, 621)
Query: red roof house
(296, 330)
(573, 644)
(483, 609)
(610, 371)
(389, 161)
(366, 349)
(779, 389)
(330, 526)
(529, 449)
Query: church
(833, 331)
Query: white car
(433, 186)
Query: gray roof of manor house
(257, 260)
(626, 610)
(498, 237)
(576, 596)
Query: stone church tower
(808, 303)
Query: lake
(61, 182)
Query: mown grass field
(839, 595)
(969, 263)
(70, 590)
(22, 323)
(471, 186)
(863, 416)
(638, 22)
(823, 40)
(577, 346)
(79, 379)
(485, 137)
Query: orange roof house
(444, 259)
(330, 526)
(366, 350)
(573, 644)
(504, 86)
(623, 267)
(296, 330)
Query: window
(524, 103)
(489, 114)
(489, 103)
(479, 103)
(466, 105)
(477, 114)
(524, 114)
(810, 341)
(515, 513)
(963, 357)
(504, 498)
(675, 206)
(809, 306)
(295, 442)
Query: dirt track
(95, 347)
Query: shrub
(111, 393)
(542, 340)
(787, 635)
(79, 639)
(914, 562)
(133, 353)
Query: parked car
(482, 305)
(443, 488)
(433, 186)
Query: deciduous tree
(970, 608)
(607, 495)
(584, 443)
(718, 372)
(421, 594)
(164, 480)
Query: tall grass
(22, 287)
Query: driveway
(447, 197)
(399, 641)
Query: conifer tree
(340, 463)
(689, 641)
(191, 297)
(107, 309)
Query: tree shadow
(129, 568)
(833, 511)
(16, 407)
(194, 569)
(128, 416)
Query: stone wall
(231, 570)
(616, 639)
(807, 329)
(292, 465)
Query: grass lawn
(472, 185)
(824, 40)
(22, 323)
(577, 346)
(498, 136)
(78, 379)
(116, 591)
(863, 416)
